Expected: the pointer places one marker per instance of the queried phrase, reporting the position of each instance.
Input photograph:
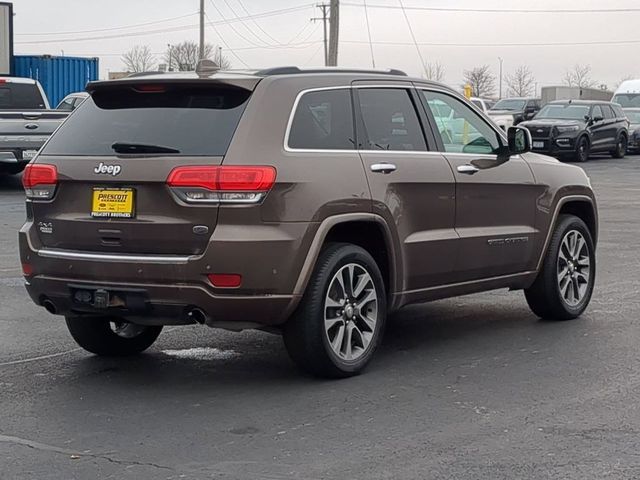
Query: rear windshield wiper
(122, 147)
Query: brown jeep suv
(305, 202)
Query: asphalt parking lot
(470, 388)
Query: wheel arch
(366, 230)
(583, 207)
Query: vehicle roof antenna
(206, 68)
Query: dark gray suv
(307, 203)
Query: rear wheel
(340, 320)
(621, 147)
(582, 150)
(111, 337)
(565, 282)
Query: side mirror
(597, 119)
(519, 139)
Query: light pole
(500, 88)
(169, 47)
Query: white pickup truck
(26, 122)
(503, 120)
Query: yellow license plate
(112, 203)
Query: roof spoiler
(248, 83)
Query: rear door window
(323, 121)
(21, 96)
(182, 120)
(608, 112)
(390, 120)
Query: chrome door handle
(468, 169)
(383, 167)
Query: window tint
(461, 129)
(608, 113)
(618, 111)
(390, 120)
(66, 104)
(323, 121)
(192, 120)
(20, 96)
(597, 112)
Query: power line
(549, 44)
(224, 42)
(413, 37)
(257, 24)
(232, 27)
(233, 12)
(271, 13)
(106, 29)
(366, 16)
(500, 10)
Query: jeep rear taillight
(40, 181)
(222, 184)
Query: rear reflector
(27, 269)
(39, 181)
(225, 280)
(225, 184)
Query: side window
(66, 104)
(323, 121)
(608, 112)
(461, 129)
(596, 112)
(390, 120)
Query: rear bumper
(17, 145)
(164, 289)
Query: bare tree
(482, 81)
(579, 76)
(184, 56)
(434, 71)
(139, 59)
(521, 82)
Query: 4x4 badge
(108, 169)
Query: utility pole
(324, 18)
(334, 31)
(500, 89)
(201, 49)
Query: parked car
(627, 95)
(25, 122)
(577, 128)
(304, 202)
(520, 107)
(503, 120)
(72, 101)
(633, 115)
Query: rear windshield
(509, 104)
(175, 121)
(20, 96)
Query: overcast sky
(263, 41)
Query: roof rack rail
(296, 70)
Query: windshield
(509, 104)
(564, 112)
(627, 99)
(633, 116)
(189, 121)
(20, 96)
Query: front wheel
(621, 147)
(582, 150)
(111, 337)
(339, 322)
(565, 282)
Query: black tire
(545, 297)
(305, 336)
(621, 147)
(96, 335)
(583, 149)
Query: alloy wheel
(573, 268)
(351, 312)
